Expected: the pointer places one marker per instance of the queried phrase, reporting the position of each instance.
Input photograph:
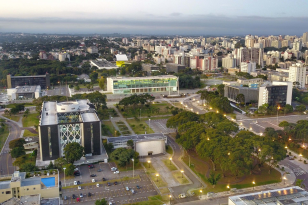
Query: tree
(221, 89)
(300, 108)
(240, 98)
(60, 162)
(28, 167)
(300, 183)
(101, 202)
(50, 166)
(101, 82)
(17, 143)
(108, 147)
(17, 152)
(288, 108)
(77, 87)
(122, 156)
(182, 118)
(73, 151)
(227, 127)
(69, 171)
(130, 143)
(213, 178)
(93, 76)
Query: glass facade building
(118, 85)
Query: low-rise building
(92, 49)
(174, 67)
(149, 68)
(103, 64)
(24, 92)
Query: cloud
(182, 25)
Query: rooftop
(146, 77)
(31, 199)
(136, 137)
(35, 76)
(30, 181)
(290, 195)
(50, 201)
(28, 89)
(121, 57)
(5, 184)
(103, 63)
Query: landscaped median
(102, 182)
(154, 200)
(159, 182)
(181, 178)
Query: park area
(202, 167)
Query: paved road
(6, 166)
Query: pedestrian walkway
(120, 118)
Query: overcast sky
(183, 17)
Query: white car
(97, 185)
(182, 196)
(75, 182)
(93, 180)
(113, 169)
(116, 172)
(127, 189)
(79, 187)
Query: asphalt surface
(6, 166)
(298, 171)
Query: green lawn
(31, 120)
(140, 127)
(169, 150)
(27, 133)
(13, 117)
(3, 136)
(112, 131)
(25, 104)
(299, 150)
(154, 110)
(178, 176)
(152, 173)
(170, 166)
(154, 200)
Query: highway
(6, 162)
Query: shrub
(305, 162)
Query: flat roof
(35, 76)
(31, 181)
(103, 63)
(293, 194)
(89, 117)
(50, 201)
(121, 57)
(27, 89)
(5, 184)
(143, 78)
(50, 108)
(136, 137)
(30, 199)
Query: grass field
(31, 120)
(25, 104)
(154, 200)
(3, 136)
(27, 133)
(140, 127)
(169, 165)
(178, 176)
(152, 173)
(111, 129)
(156, 109)
(169, 150)
(164, 190)
(13, 117)
(200, 168)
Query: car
(76, 169)
(113, 169)
(93, 175)
(127, 189)
(182, 196)
(79, 187)
(76, 173)
(133, 191)
(81, 195)
(291, 157)
(104, 179)
(89, 194)
(78, 182)
(65, 198)
(138, 187)
(97, 185)
(78, 199)
(116, 172)
(115, 183)
(93, 180)
(74, 196)
(75, 182)
(90, 166)
(110, 203)
(108, 184)
(99, 170)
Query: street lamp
(149, 125)
(284, 178)
(170, 198)
(149, 162)
(64, 175)
(170, 160)
(228, 153)
(278, 108)
(300, 159)
(286, 147)
(133, 168)
(208, 138)
(225, 115)
(228, 187)
(253, 185)
(217, 111)
(157, 177)
(261, 134)
(182, 171)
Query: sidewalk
(297, 162)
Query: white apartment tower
(248, 67)
(297, 73)
(305, 37)
(229, 62)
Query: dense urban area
(150, 120)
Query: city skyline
(156, 17)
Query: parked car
(93, 175)
(74, 196)
(79, 187)
(65, 198)
(76, 173)
(291, 157)
(78, 199)
(78, 182)
(115, 183)
(104, 179)
(127, 189)
(90, 166)
(116, 172)
(113, 169)
(97, 185)
(89, 194)
(93, 180)
(138, 187)
(182, 196)
(133, 191)
(75, 182)
(108, 184)
(99, 170)
(81, 195)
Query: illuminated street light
(157, 177)
(225, 115)
(182, 171)
(300, 159)
(253, 185)
(217, 111)
(149, 162)
(284, 179)
(170, 160)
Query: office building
(42, 80)
(305, 37)
(297, 73)
(276, 44)
(173, 67)
(149, 68)
(103, 64)
(92, 49)
(275, 93)
(65, 122)
(42, 55)
(120, 85)
(229, 62)
(19, 186)
(285, 43)
(285, 196)
(248, 67)
(297, 46)
(64, 56)
(145, 145)
(24, 92)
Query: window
(8, 192)
(33, 188)
(3, 192)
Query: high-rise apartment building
(229, 62)
(248, 67)
(285, 43)
(297, 45)
(305, 37)
(297, 73)
(276, 44)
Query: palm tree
(213, 178)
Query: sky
(156, 17)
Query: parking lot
(116, 194)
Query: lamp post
(170, 198)
(253, 185)
(300, 157)
(182, 171)
(157, 177)
(149, 162)
(278, 108)
(64, 176)
(133, 168)
(149, 125)
(284, 179)
(170, 160)
(140, 114)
